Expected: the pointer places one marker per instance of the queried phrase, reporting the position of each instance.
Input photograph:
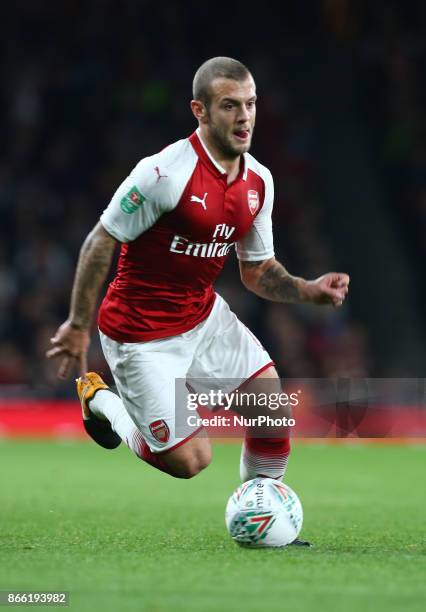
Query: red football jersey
(178, 220)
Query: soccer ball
(264, 512)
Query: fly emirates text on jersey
(184, 246)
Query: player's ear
(199, 111)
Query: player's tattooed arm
(270, 280)
(93, 264)
(72, 338)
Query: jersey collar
(206, 157)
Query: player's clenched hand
(330, 288)
(72, 345)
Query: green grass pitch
(120, 535)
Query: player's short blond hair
(214, 68)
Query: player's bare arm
(270, 280)
(92, 268)
(72, 338)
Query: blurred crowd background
(90, 88)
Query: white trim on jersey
(160, 180)
(258, 244)
(212, 159)
(215, 163)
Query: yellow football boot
(98, 429)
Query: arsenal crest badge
(160, 431)
(253, 201)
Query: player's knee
(191, 464)
(194, 466)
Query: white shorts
(220, 347)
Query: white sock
(107, 405)
(254, 464)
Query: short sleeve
(258, 244)
(138, 203)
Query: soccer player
(177, 217)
